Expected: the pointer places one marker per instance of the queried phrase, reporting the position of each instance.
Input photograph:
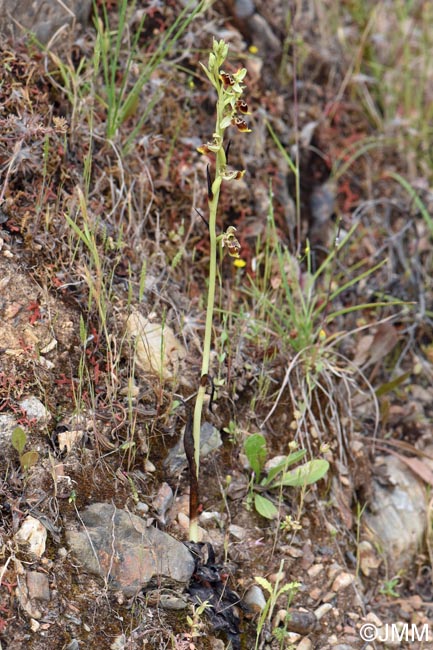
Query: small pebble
(342, 581)
(255, 598)
(315, 593)
(333, 570)
(142, 508)
(237, 531)
(305, 644)
(149, 467)
(314, 570)
(171, 602)
(322, 610)
(34, 625)
(372, 618)
(330, 595)
(35, 410)
(210, 517)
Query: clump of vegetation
(279, 475)
(27, 458)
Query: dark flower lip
(242, 107)
(240, 124)
(227, 79)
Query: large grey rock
(42, 17)
(398, 514)
(119, 547)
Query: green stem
(213, 208)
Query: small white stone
(322, 610)
(210, 517)
(372, 618)
(34, 409)
(314, 570)
(149, 467)
(255, 598)
(342, 581)
(305, 644)
(33, 534)
(292, 637)
(237, 531)
(34, 625)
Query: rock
(163, 501)
(156, 349)
(118, 546)
(7, 425)
(166, 599)
(255, 598)
(26, 603)
(38, 586)
(342, 581)
(34, 535)
(372, 618)
(302, 622)
(238, 532)
(314, 570)
(210, 439)
(322, 610)
(42, 17)
(35, 410)
(211, 518)
(399, 517)
(305, 644)
(34, 625)
(295, 620)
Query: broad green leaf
(264, 583)
(19, 439)
(291, 459)
(255, 449)
(29, 459)
(307, 474)
(264, 507)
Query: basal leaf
(291, 459)
(306, 474)
(255, 450)
(29, 459)
(19, 439)
(264, 507)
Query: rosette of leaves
(280, 476)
